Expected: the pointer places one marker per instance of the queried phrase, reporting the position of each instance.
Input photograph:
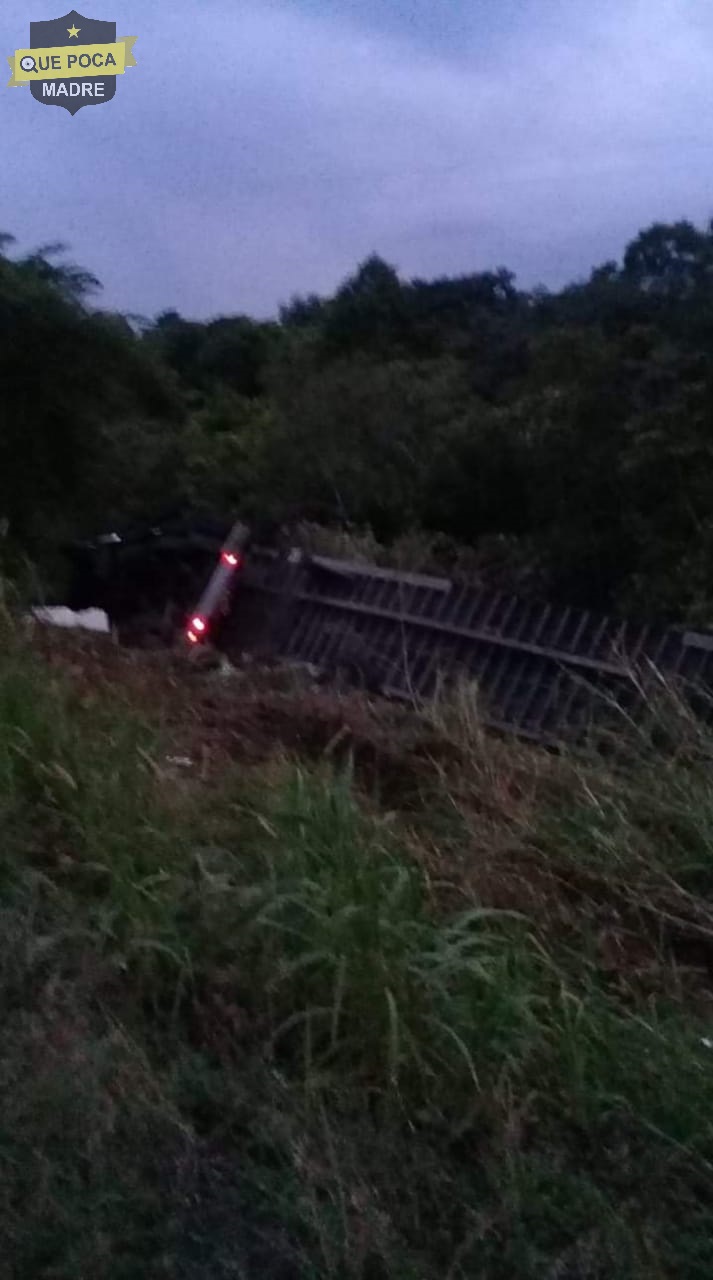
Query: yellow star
(74, 32)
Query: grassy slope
(274, 1026)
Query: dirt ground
(213, 711)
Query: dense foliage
(569, 430)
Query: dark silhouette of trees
(573, 427)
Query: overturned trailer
(544, 671)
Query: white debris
(60, 616)
(180, 762)
(707, 1042)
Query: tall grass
(352, 963)
(242, 1035)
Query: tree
(368, 312)
(670, 260)
(356, 441)
(75, 386)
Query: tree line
(565, 436)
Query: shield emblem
(50, 35)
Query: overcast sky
(262, 148)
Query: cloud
(283, 144)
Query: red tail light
(230, 559)
(192, 637)
(198, 625)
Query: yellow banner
(69, 61)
